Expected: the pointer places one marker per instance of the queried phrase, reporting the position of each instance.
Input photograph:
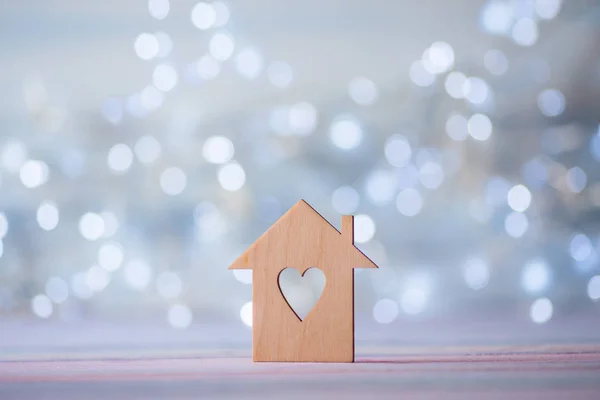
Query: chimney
(348, 228)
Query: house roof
(311, 238)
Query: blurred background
(145, 144)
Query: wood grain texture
(462, 373)
(302, 239)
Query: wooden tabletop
(544, 372)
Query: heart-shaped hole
(301, 292)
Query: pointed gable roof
(312, 238)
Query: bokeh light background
(145, 144)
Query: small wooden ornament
(302, 239)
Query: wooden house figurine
(302, 239)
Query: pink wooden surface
(544, 372)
